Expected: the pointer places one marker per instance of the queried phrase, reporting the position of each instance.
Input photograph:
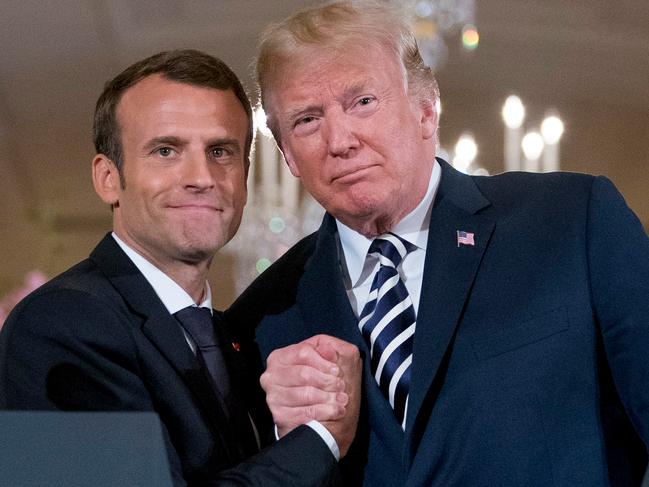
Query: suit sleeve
(618, 259)
(299, 459)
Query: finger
(327, 352)
(287, 417)
(304, 396)
(328, 343)
(300, 375)
(302, 354)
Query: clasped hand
(316, 379)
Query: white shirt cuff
(326, 437)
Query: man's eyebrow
(163, 140)
(223, 141)
(226, 141)
(355, 89)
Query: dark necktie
(200, 326)
(387, 323)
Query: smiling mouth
(196, 207)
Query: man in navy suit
(132, 328)
(527, 360)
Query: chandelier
(434, 21)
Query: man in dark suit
(132, 328)
(507, 344)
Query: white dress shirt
(176, 298)
(173, 297)
(359, 269)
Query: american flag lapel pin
(465, 238)
(236, 346)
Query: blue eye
(164, 151)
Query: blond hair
(336, 26)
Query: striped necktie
(387, 323)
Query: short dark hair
(185, 66)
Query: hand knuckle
(307, 394)
(303, 353)
(270, 360)
(310, 412)
(303, 374)
(271, 400)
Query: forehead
(318, 71)
(156, 102)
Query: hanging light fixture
(433, 20)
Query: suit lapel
(321, 295)
(157, 324)
(449, 272)
(325, 308)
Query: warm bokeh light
(532, 145)
(465, 152)
(470, 37)
(552, 129)
(513, 112)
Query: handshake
(317, 379)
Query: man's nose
(341, 134)
(197, 172)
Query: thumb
(327, 352)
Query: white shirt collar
(413, 228)
(170, 293)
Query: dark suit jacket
(98, 338)
(530, 354)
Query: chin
(365, 204)
(201, 249)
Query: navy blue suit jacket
(530, 353)
(97, 338)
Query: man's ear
(429, 118)
(105, 179)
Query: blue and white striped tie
(387, 323)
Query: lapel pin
(465, 238)
(236, 346)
